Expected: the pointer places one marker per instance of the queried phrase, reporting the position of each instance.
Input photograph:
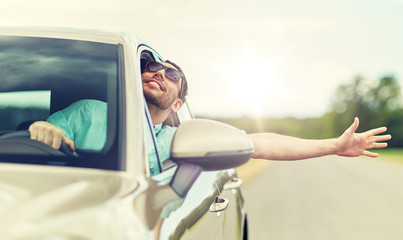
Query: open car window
(154, 155)
(40, 78)
(159, 137)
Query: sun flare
(253, 83)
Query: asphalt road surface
(326, 198)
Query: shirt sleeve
(84, 122)
(59, 120)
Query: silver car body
(45, 201)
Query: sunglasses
(170, 73)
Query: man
(165, 88)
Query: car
(108, 193)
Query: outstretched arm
(279, 147)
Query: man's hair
(184, 84)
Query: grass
(392, 154)
(252, 168)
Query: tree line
(376, 103)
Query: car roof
(93, 35)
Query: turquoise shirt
(85, 122)
(164, 136)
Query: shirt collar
(157, 128)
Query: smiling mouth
(156, 84)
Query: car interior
(41, 76)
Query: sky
(257, 58)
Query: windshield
(41, 78)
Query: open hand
(353, 144)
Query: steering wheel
(24, 137)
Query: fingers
(371, 132)
(376, 131)
(54, 141)
(378, 145)
(378, 141)
(47, 133)
(380, 138)
(370, 154)
(70, 143)
(354, 125)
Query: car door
(193, 218)
(211, 210)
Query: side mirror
(206, 145)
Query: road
(326, 198)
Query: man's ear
(176, 105)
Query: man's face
(160, 91)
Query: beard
(162, 102)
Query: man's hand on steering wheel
(49, 134)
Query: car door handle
(219, 204)
(234, 183)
